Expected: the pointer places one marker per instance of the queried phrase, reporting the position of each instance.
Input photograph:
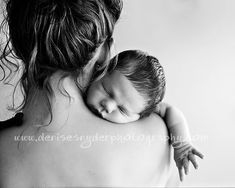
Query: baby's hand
(183, 153)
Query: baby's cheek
(91, 98)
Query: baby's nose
(109, 105)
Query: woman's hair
(51, 35)
(146, 74)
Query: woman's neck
(36, 110)
(41, 108)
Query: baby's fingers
(194, 151)
(181, 173)
(191, 157)
(186, 165)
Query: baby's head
(131, 91)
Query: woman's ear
(105, 50)
(111, 47)
(96, 57)
(111, 42)
(100, 58)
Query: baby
(134, 90)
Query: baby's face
(115, 99)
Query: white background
(194, 40)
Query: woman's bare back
(106, 161)
(135, 154)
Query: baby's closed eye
(123, 110)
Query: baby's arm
(180, 137)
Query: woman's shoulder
(154, 124)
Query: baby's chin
(113, 121)
(117, 121)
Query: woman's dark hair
(146, 74)
(51, 35)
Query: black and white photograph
(117, 93)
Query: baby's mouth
(98, 112)
(95, 111)
(102, 113)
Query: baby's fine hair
(51, 35)
(146, 74)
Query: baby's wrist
(180, 139)
(180, 144)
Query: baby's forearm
(180, 137)
(175, 122)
